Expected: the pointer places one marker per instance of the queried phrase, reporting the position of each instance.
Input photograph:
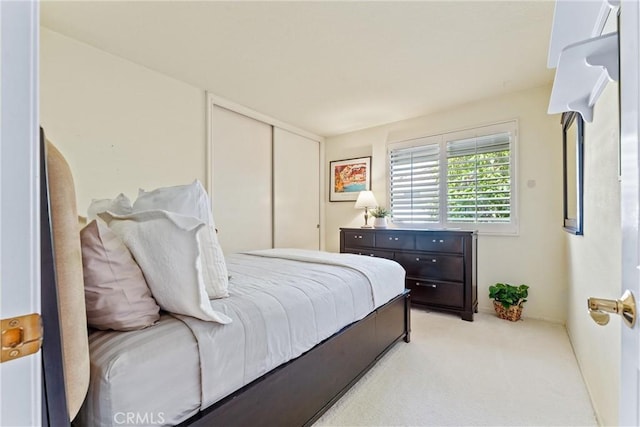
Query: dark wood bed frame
(294, 394)
(300, 391)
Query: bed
(305, 327)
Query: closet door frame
(214, 100)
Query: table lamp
(366, 200)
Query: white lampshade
(366, 199)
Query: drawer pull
(432, 260)
(360, 253)
(438, 241)
(393, 238)
(426, 285)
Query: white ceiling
(326, 67)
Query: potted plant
(508, 300)
(380, 214)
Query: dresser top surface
(408, 230)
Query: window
(456, 180)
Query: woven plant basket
(512, 313)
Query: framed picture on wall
(348, 178)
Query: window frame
(506, 228)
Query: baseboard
(584, 379)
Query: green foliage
(379, 212)
(508, 294)
(479, 187)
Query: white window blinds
(460, 180)
(415, 184)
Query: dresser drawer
(395, 240)
(379, 254)
(440, 243)
(355, 239)
(442, 267)
(438, 293)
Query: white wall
(594, 260)
(537, 255)
(120, 126)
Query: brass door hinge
(21, 336)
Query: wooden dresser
(441, 265)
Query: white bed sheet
(146, 377)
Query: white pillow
(170, 250)
(121, 205)
(192, 200)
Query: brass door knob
(599, 309)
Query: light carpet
(489, 372)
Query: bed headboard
(69, 278)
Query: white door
(241, 180)
(629, 132)
(296, 191)
(20, 379)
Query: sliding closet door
(296, 184)
(241, 179)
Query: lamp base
(366, 226)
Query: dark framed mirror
(572, 168)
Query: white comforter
(282, 303)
